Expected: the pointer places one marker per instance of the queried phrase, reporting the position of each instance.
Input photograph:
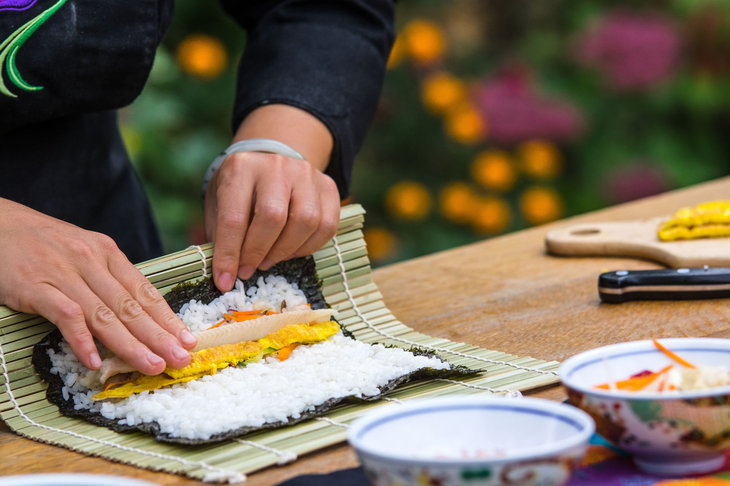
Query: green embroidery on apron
(11, 45)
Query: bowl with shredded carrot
(665, 401)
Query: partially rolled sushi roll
(230, 342)
(268, 355)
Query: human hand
(263, 208)
(81, 282)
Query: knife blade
(666, 284)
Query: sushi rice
(259, 393)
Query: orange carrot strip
(285, 352)
(672, 355)
(116, 383)
(240, 316)
(217, 324)
(247, 318)
(247, 313)
(635, 384)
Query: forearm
(327, 58)
(295, 127)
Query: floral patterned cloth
(606, 466)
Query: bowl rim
(564, 411)
(71, 479)
(677, 344)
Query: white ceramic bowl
(69, 479)
(471, 440)
(668, 433)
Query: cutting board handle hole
(585, 232)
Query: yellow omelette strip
(143, 383)
(209, 361)
(683, 233)
(301, 334)
(706, 220)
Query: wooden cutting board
(637, 239)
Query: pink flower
(634, 181)
(515, 111)
(633, 50)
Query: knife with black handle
(669, 284)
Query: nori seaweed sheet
(300, 271)
(42, 363)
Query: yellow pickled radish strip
(706, 220)
(683, 233)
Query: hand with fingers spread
(262, 208)
(81, 282)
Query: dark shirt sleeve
(326, 57)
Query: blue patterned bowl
(668, 433)
(471, 441)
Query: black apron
(68, 65)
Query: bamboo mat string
(366, 321)
(202, 258)
(230, 476)
(285, 457)
(331, 422)
(509, 393)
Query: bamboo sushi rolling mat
(344, 269)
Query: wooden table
(504, 293)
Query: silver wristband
(251, 145)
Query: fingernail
(179, 353)
(245, 271)
(154, 360)
(187, 338)
(95, 361)
(226, 281)
(266, 264)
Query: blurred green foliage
(644, 87)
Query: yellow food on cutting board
(706, 220)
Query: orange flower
(540, 159)
(202, 55)
(596, 454)
(493, 215)
(424, 41)
(541, 204)
(458, 202)
(494, 170)
(408, 200)
(442, 91)
(381, 243)
(465, 125)
(397, 53)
